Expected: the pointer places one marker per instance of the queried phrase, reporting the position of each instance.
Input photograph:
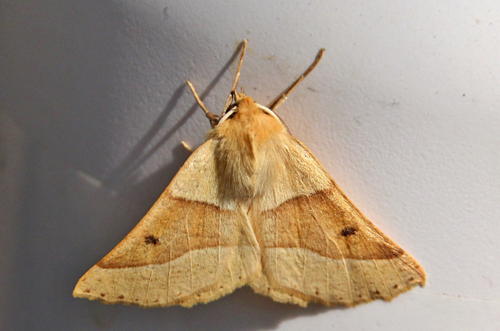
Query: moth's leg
(236, 79)
(186, 146)
(214, 119)
(282, 97)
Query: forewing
(318, 247)
(186, 250)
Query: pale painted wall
(403, 112)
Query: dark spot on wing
(151, 240)
(348, 231)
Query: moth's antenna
(282, 97)
(236, 78)
(214, 119)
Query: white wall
(402, 110)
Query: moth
(252, 206)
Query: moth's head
(244, 108)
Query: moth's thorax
(246, 154)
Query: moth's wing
(186, 250)
(316, 246)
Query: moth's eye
(234, 109)
(231, 107)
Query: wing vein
(190, 255)
(347, 273)
(325, 233)
(398, 273)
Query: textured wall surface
(402, 111)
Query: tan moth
(252, 206)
